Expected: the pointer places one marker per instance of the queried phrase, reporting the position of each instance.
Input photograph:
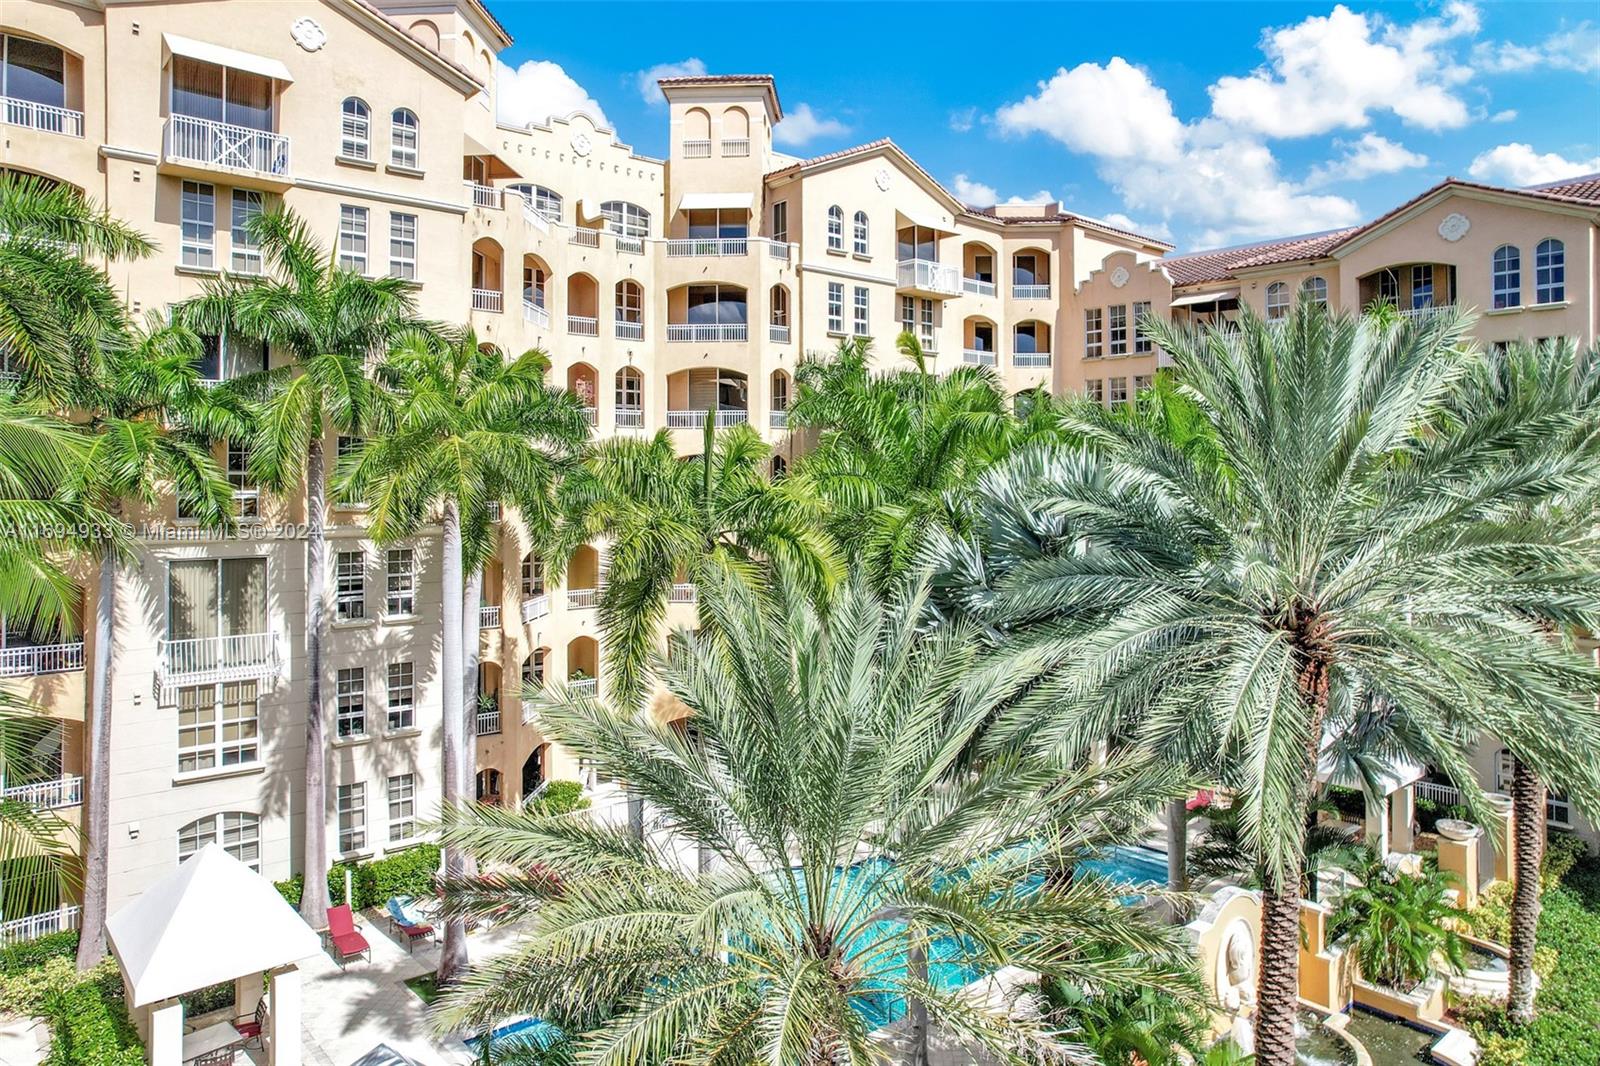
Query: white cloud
(538, 89)
(963, 119)
(1043, 196)
(646, 79)
(1159, 230)
(802, 126)
(1576, 49)
(1077, 106)
(1508, 115)
(1519, 164)
(1363, 158)
(973, 193)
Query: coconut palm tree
(821, 780)
(328, 321)
(1352, 547)
(454, 427)
(670, 520)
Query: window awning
(226, 57)
(925, 219)
(1203, 298)
(715, 201)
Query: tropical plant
(329, 322)
(820, 781)
(1351, 564)
(1396, 924)
(34, 844)
(454, 427)
(1143, 1026)
(671, 520)
(1222, 852)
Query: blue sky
(1206, 123)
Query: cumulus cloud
(1508, 115)
(539, 89)
(1159, 230)
(646, 79)
(1519, 164)
(1576, 49)
(1042, 196)
(963, 119)
(1363, 158)
(1113, 111)
(802, 125)
(973, 193)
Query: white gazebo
(211, 920)
(1387, 782)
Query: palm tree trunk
(97, 770)
(917, 970)
(314, 893)
(1178, 846)
(1527, 813)
(453, 952)
(468, 763)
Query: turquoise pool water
(1130, 865)
(514, 1034)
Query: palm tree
(328, 321)
(1351, 547)
(821, 775)
(1396, 924)
(670, 520)
(455, 427)
(33, 849)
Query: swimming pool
(1129, 865)
(515, 1034)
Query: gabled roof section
(396, 34)
(1581, 192)
(1221, 264)
(1584, 188)
(755, 81)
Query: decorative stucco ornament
(308, 34)
(581, 143)
(1119, 277)
(881, 179)
(1455, 226)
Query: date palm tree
(454, 427)
(328, 322)
(1354, 544)
(820, 779)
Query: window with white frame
(1550, 272)
(1506, 276)
(219, 726)
(401, 574)
(353, 238)
(350, 702)
(247, 502)
(402, 695)
(198, 235)
(863, 311)
(626, 219)
(859, 234)
(1095, 389)
(1142, 345)
(246, 249)
(835, 228)
(403, 139)
(1117, 329)
(835, 307)
(402, 807)
(1142, 382)
(355, 129)
(908, 313)
(239, 833)
(780, 221)
(1557, 809)
(1421, 286)
(402, 246)
(630, 389)
(1093, 333)
(1277, 300)
(352, 817)
(1117, 391)
(346, 446)
(1315, 290)
(1389, 287)
(350, 585)
(547, 202)
(532, 576)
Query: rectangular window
(1141, 382)
(1095, 389)
(402, 581)
(352, 818)
(835, 307)
(199, 230)
(402, 246)
(1389, 287)
(1117, 392)
(1117, 327)
(350, 703)
(1421, 286)
(246, 498)
(246, 249)
(908, 313)
(402, 807)
(835, 230)
(780, 221)
(1142, 345)
(1093, 334)
(863, 325)
(209, 600)
(402, 696)
(218, 726)
(350, 585)
(353, 238)
(927, 323)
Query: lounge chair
(251, 1026)
(404, 917)
(347, 943)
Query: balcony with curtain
(223, 112)
(216, 625)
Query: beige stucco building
(660, 287)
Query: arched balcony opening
(487, 260)
(629, 297)
(691, 393)
(697, 133)
(1414, 289)
(1030, 274)
(778, 315)
(488, 719)
(533, 771)
(978, 338)
(535, 596)
(735, 133)
(1030, 344)
(778, 416)
(488, 787)
(977, 268)
(584, 383)
(583, 665)
(630, 398)
(583, 577)
(707, 314)
(583, 306)
(533, 674)
(537, 298)
(493, 577)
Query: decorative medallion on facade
(1119, 277)
(581, 143)
(881, 179)
(308, 34)
(1455, 226)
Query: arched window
(1277, 300)
(780, 468)
(533, 668)
(546, 202)
(1550, 272)
(239, 833)
(780, 390)
(630, 303)
(626, 219)
(780, 306)
(860, 234)
(1506, 274)
(1315, 290)
(403, 132)
(355, 129)
(630, 395)
(835, 229)
(532, 576)
(488, 786)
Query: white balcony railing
(630, 245)
(778, 334)
(707, 332)
(728, 416)
(583, 686)
(977, 286)
(690, 247)
(588, 238)
(489, 616)
(486, 196)
(778, 419)
(697, 149)
(683, 592)
(45, 117)
(927, 275)
(1030, 292)
(583, 597)
(225, 146)
(630, 331)
(539, 316)
(200, 660)
(583, 325)
(488, 722)
(29, 660)
(535, 608)
(1437, 792)
(735, 147)
(1030, 358)
(63, 791)
(34, 926)
(487, 300)
(591, 415)
(629, 416)
(778, 250)
(1422, 312)
(977, 357)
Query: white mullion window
(1506, 271)
(1093, 333)
(1117, 391)
(350, 585)
(859, 233)
(238, 831)
(1095, 389)
(1421, 286)
(352, 817)
(402, 807)
(403, 139)
(353, 238)
(835, 229)
(1550, 272)
(350, 703)
(835, 307)
(402, 246)
(908, 313)
(355, 129)
(401, 572)
(402, 695)
(927, 323)
(1117, 326)
(199, 225)
(219, 726)
(247, 204)
(863, 311)
(1141, 344)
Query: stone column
(166, 1033)
(1501, 835)
(283, 1017)
(1376, 823)
(1402, 811)
(1458, 856)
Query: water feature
(1318, 1044)
(1481, 958)
(1390, 1042)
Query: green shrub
(89, 1023)
(1497, 1049)
(23, 992)
(405, 873)
(562, 797)
(1561, 853)
(15, 958)
(205, 1000)
(1491, 920)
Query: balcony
(487, 300)
(778, 419)
(535, 608)
(683, 592)
(31, 660)
(34, 926)
(735, 147)
(927, 276)
(629, 245)
(778, 334)
(1030, 292)
(206, 660)
(583, 598)
(728, 416)
(630, 331)
(697, 149)
(539, 316)
(583, 326)
(486, 196)
(488, 722)
(489, 616)
(1030, 358)
(977, 286)
(708, 332)
(696, 247)
(58, 792)
(585, 238)
(977, 357)
(591, 415)
(494, 510)
(203, 144)
(629, 416)
(584, 686)
(43, 117)
(778, 250)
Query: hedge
(89, 1023)
(15, 958)
(405, 873)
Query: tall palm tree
(1352, 548)
(669, 519)
(455, 427)
(822, 773)
(328, 321)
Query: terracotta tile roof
(859, 149)
(1218, 264)
(729, 79)
(1313, 246)
(1585, 188)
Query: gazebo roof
(210, 920)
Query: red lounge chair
(347, 943)
(250, 1026)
